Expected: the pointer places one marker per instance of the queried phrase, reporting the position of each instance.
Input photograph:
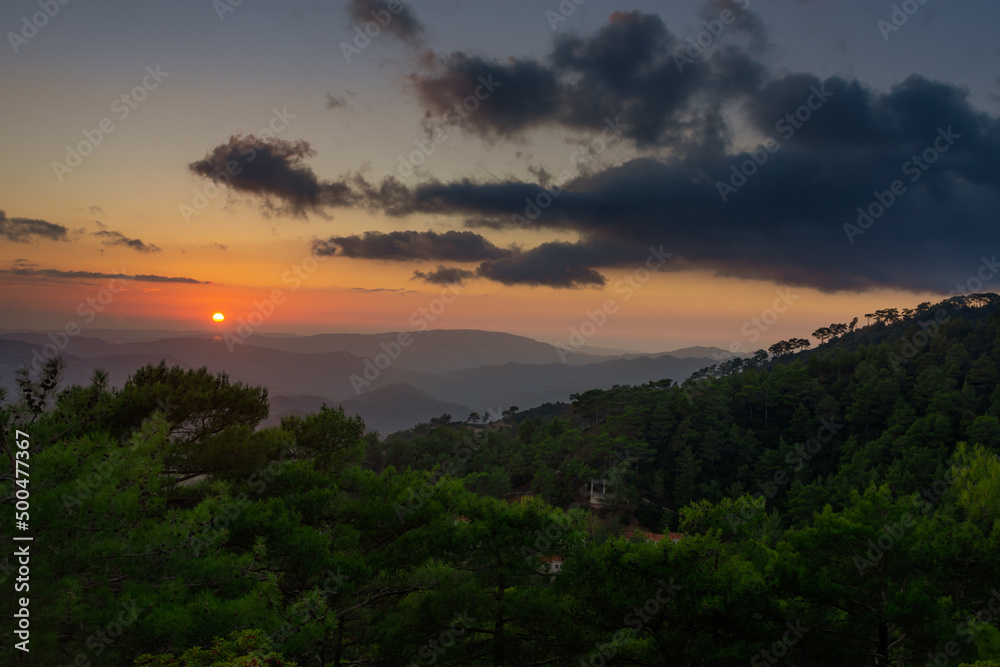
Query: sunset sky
(624, 135)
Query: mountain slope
(400, 406)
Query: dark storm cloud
(628, 72)
(787, 222)
(449, 246)
(392, 16)
(273, 170)
(835, 145)
(112, 238)
(82, 275)
(23, 230)
(785, 210)
(506, 97)
(744, 23)
(553, 264)
(444, 275)
(556, 264)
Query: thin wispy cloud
(25, 230)
(117, 239)
(60, 274)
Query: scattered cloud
(338, 100)
(274, 171)
(218, 246)
(734, 168)
(90, 275)
(444, 275)
(402, 23)
(786, 222)
(24, 230)
(383, 289)
(335, 102)
(625, 74)
(112, 239)
(453, 246)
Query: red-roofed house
(551, 565)
(652, 537)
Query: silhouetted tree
(837, 330)
(782, 347)
(799, 343)
(822, 334)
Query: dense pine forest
(836, 504)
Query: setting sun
(218, 317)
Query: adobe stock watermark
(968, 628)
(37, 21)
(801, 454)
(698, 44)
(264, 310)
(216, 528)
(559, 526)
(914, 343)
(786, 126)
(122, 106)
(434, 648)
(381, 18)
(223, 7)
(627, 286)
(637, 619)
(988, 270)
(427, 145)
(279, 121)
(421, 320)
(899, 17)
(915, 168)
(535, 206)
(88, 309)
(416, 497)
(893, 532)
(780, 648)
(85, 487)
(311, 610)
(566, 9)
(755, 326)
(104, 638)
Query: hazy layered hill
(436, 351)
(399, 406)
(452, 372)
(492, 386)
(321, 374)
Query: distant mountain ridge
(374, 375)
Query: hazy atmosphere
(601, 131)
(398, 333)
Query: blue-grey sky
(335, 179)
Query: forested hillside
(833, 506)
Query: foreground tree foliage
(250, 648)
(838, 506)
